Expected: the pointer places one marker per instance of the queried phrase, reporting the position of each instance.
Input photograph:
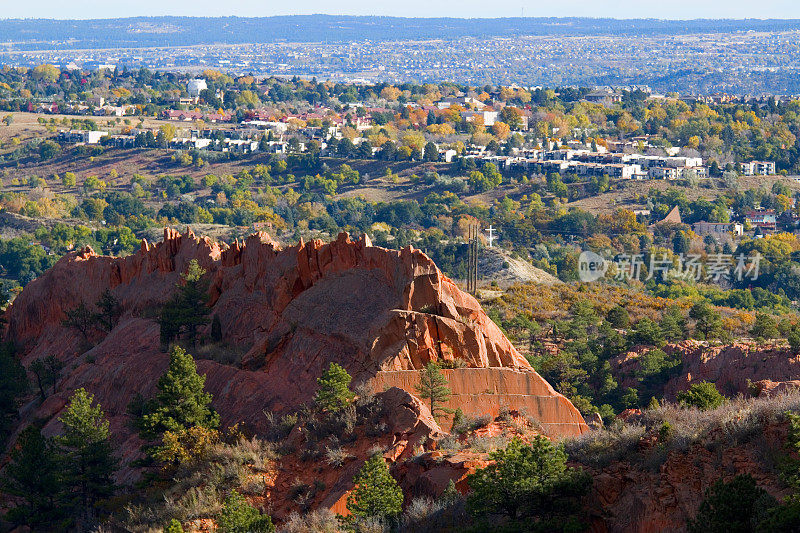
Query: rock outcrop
(665, 491)
(291, 312)
(769, 388)
(743, 367)
(405, 429)
(488, 391)
(732, 367)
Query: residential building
(463, 101)
(762, 218)
(673, 217)
(488, 117)
(718, 229)
(757, 168)
(81, 136)
(663, 173)
(604, 96)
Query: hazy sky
(675, 9)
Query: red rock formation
(409, 430)
(487, 391)
(293, 310)
(662, 495)
(733, 368)
(770, 388)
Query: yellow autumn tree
(501, 130)
(46, 72)
(390, 93)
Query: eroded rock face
(292, 311)
(745, 367)
(731, 367)
(489, 391)
(406, 429)
(662, 496)
(770, 389)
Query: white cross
(491, 237)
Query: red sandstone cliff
(659, 486)
(745, 367)
(375, 311)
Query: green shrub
(618, 317)
(528, 482)
(703, 395)
(174, 527)
(733, 507)
(238, 516)
(646, 331)
(708, 322)
(764, 327)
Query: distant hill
(49, 34)
(496, 264)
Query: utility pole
(472, 259)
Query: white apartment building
(757, 168)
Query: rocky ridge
(291, 311)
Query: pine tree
(238, 516)
(188, 308)
(89, 465)
(646, 331)
(47, 372)
(376, 494)
(450, 494)
(458, 421)
(680, 243)
(13, 384)
(673, 324)
(181, 401)
(109, 311)
(733, 507)
(528, 482)
(618, 317)
(433, 387)
(708, 321)
(216, 329)
(32, 475)
(793, 337)
(81, 319)
(764, 327)
(703, 395)
(334, 389)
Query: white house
(448, 155)
(489, 117)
